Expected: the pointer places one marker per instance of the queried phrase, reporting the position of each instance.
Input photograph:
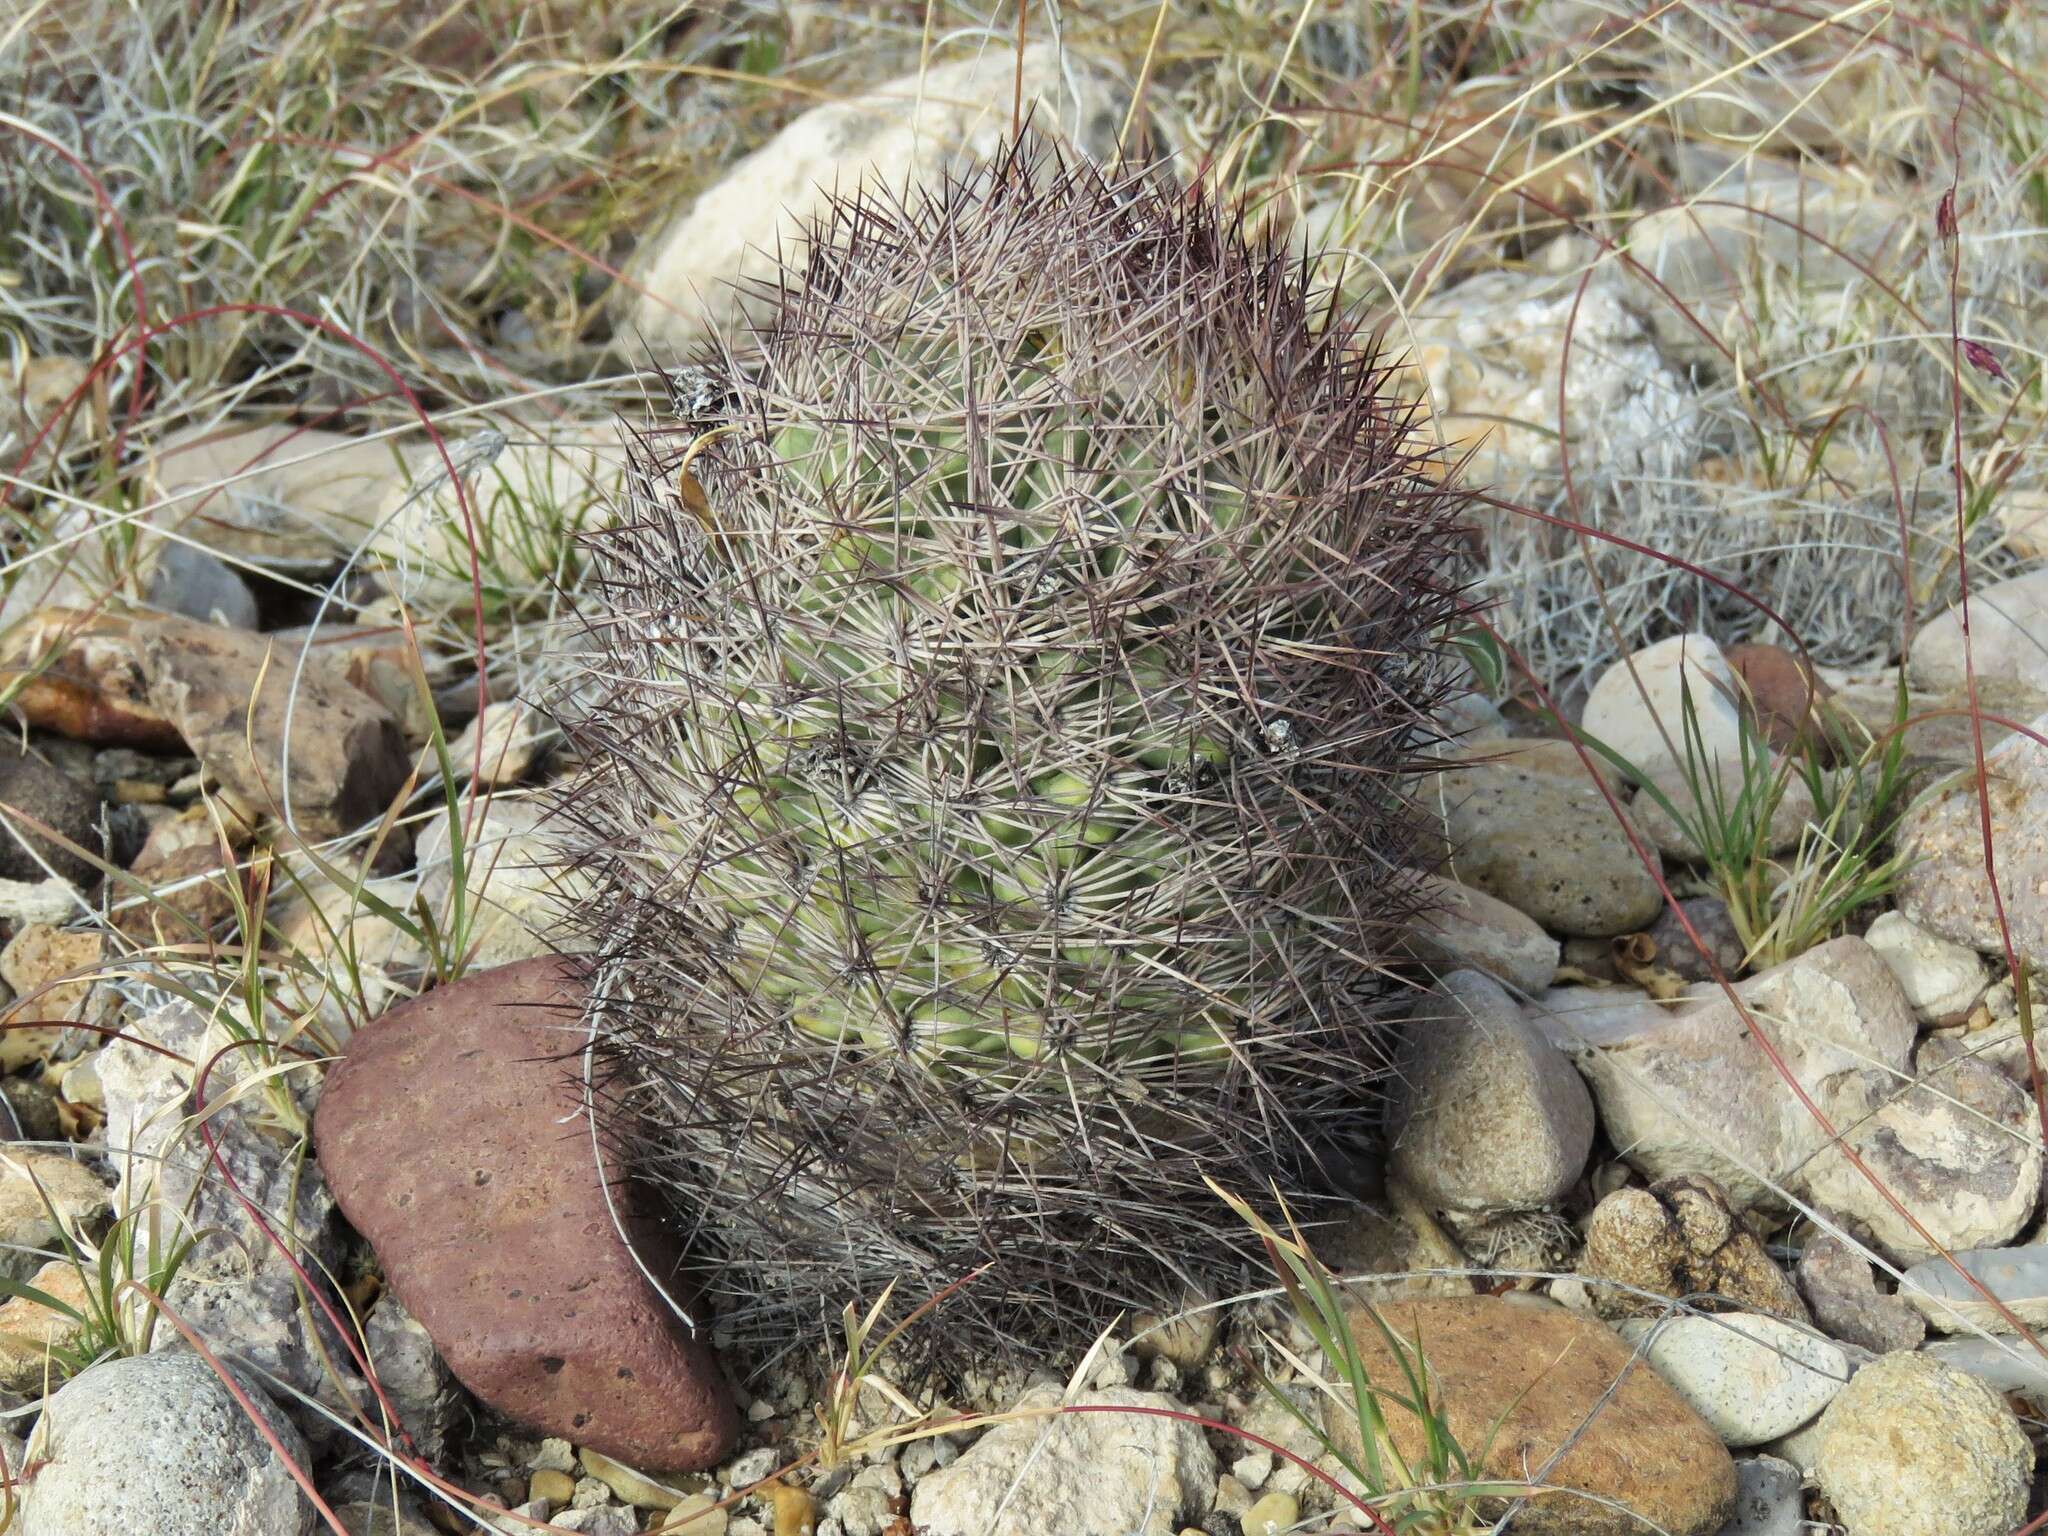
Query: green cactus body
(1021, 799)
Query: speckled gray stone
(157, 1443)
(1769, 1500)
(2018, 1277)
(1752, 1378)
(1545, 841)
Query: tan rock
(502, 744)
(379, 661)
(29, 1331)
(32, 1186)
(32, 405)
(1464, 927)
(1960, 1150)
(334, 935)
(78, 674)
(293, 498)
(347, 759)
(635, 1488)
(1484, 1114)
(520, 893)
(1526, 1382)
(1186, 1337)
(2006, 625)
(1679, 1239)
(1045, 1471)
(900, 139)
(1914, 1447)
(1943, 980)
(1689, 1088)
(50, 970)
(1944, 888)
(1762, 218)
(1639, 708)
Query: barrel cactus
(999, 697)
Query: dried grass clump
(1000, 695)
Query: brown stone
(1839, 1286)
(184, 881)
(78, 675)
(1786, 698)
(35, 796)
(1514, 1382)
(31, 1334)
(348, 759)
(51, 972)
(1679, 1238)
(453, 1136)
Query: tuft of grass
(1842, 862)
(115, 1320)
(1438, 1490)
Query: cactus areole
(999, 697)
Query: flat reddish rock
(453, 1135)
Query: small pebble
(923, 1456)
(1768, 1499)
(1232, 1497)
(1253, 1468)
(591, 1493)
(794, 1515)
(554, 1455)
(1274, 1514)
(747, 1470)
(555, 1487)
(631, 1487)
(695, 1514)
